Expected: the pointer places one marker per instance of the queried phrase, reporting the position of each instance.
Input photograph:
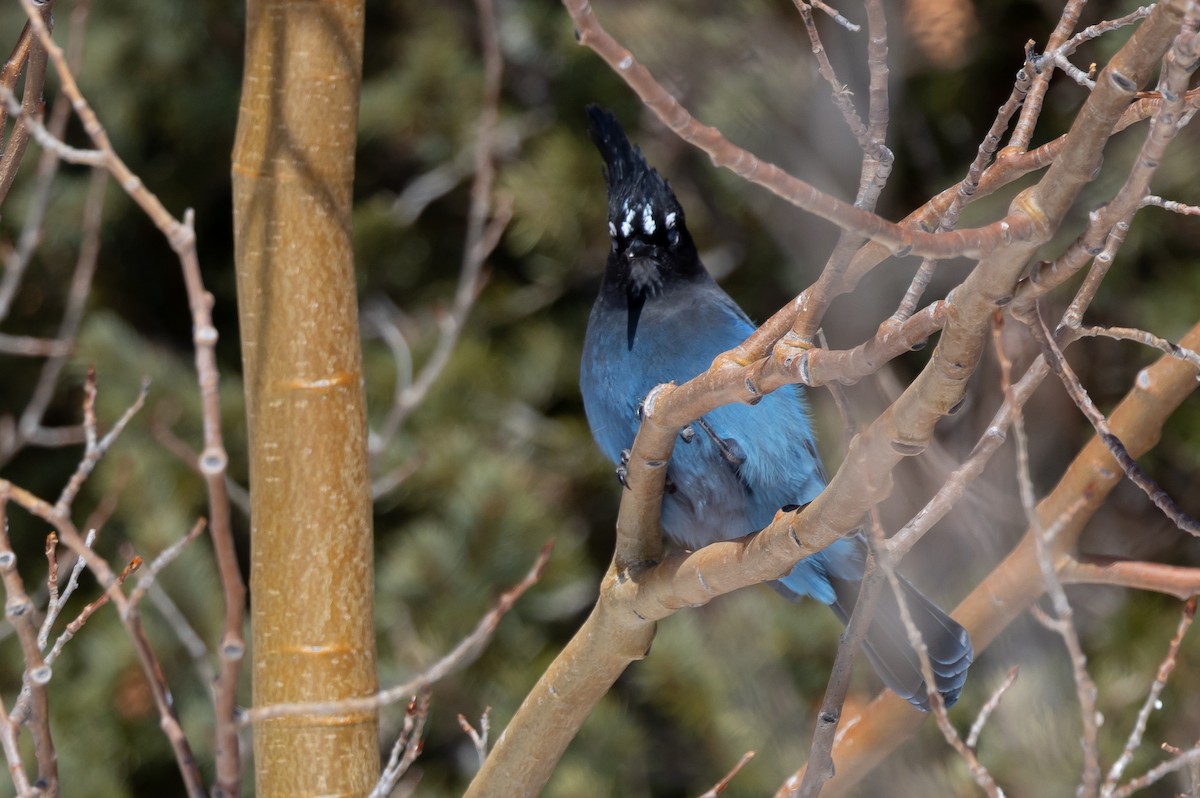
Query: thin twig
(894, 237)
(96, 448)
(1181, 61)
(87, 612)
(407, 747)
(937, 706)
(1142, 337)
(1153, 200)
(479, 738)
(461, 655)
(989, 707)
(1084, 402)
(1172, 580)
(29, 346)
(835, 15)
(192, 642)
(1152, 701)
(841, 92)
(723, 784)
(30, 423)
(57, 601)
(29, 53)
(1185, 759)
(1032, 110)
(164, 558)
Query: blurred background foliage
(501, 454)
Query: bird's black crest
(638, 197)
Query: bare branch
(57, 601)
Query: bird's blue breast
(718, 491)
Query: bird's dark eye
(672, 237)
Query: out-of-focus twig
(722, 785)
(478, 737)
(30, 423)
(482, 234)
(1172, 580)
(111, 582)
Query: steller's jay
(660, 318)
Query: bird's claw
(623, 468)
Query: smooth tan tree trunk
(311, 557)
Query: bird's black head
(651, 246)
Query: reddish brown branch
(896, 238)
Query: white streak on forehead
(670, 220)
(612, 229)
(627, 225)
(648, 220)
